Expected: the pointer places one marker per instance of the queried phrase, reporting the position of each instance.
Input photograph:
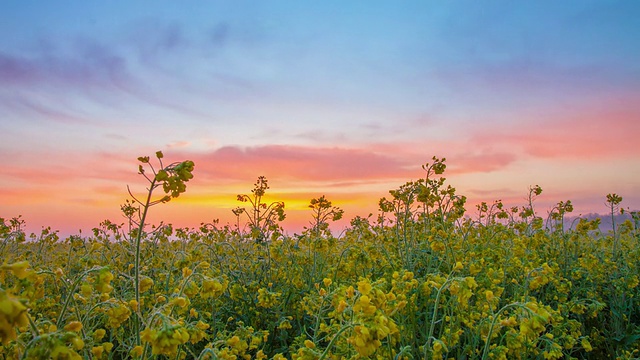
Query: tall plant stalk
(172, 178)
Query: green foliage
(421, 281)
(323, 212)
(262, 218)
(172, 178)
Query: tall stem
(485, 351)
(435, 314)
(136, 323)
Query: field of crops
(418, 280)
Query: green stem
(136, 322)
(404, 351)
(33, 327)
(435, 314)
(73, 288)
(207, 351)
(326, 351)
(485, 352)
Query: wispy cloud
(600, 130)
(480, 162)
(463, 155)
(91, 65)
(298, 162)
(146, 71)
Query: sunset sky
(339, 98)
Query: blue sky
(346, 99)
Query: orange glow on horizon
(484, 167)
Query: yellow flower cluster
(165, 341)
(19, 269)
(103, 282)
(145, 284)
(418, 282)
(370, 314)
(13, 314)
(267, 299)
(235, 348)
(100, 350)
(212, 288)
(198, 332)
(117, 314)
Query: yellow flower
(364, 286)
(166, 340)
(136, 352)
(98, 334)
(197, 333)
(350, 292)
(117, 315)
(285, 324)
(77, 343)
(145, 284)
(238, 345)
(61, 352)
(148, 335)
(511, 321)
(474, 268)
(13, 314)
(86, 290)
(364, 305)
(309, 344)
(19, 269)
(74, 326)
(212, 288)
(553, 352)
(439, 348)
(437, 246)
(363, 341)
(233, 341)
(186, 272)
(179, 301)
(341, 306)
(103, 283)
(489, 295)
(267, 299)
(97, 351)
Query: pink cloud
(462, 156)
(179, 144)
(486, 161)
(301, 163)
(602, 130)
(66, 168)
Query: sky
(345, 99)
